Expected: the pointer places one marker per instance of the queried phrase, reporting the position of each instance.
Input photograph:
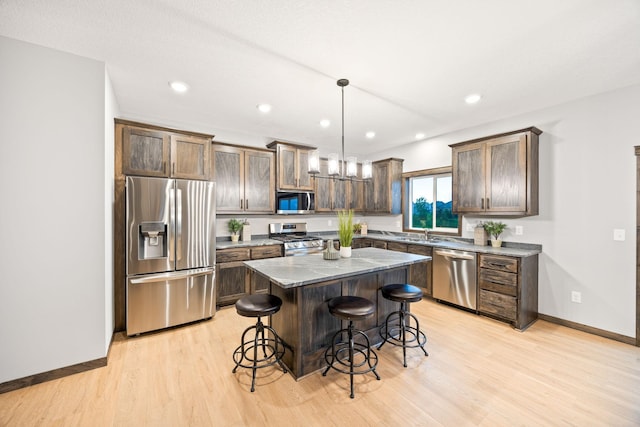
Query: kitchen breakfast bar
(306, 283)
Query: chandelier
(339, 167)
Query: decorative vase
(345, 251)
(496, 243)
(479, 236)
(234, 237)
(330, 252)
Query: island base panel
(306, 326)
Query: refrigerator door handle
(172, 275)
(172, 226)
(178, 211)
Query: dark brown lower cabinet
(362, 242)
(234, 280)
(508, 288)
(419, 274)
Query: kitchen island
(306, 283)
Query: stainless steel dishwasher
(454, 277)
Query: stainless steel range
(295, 238)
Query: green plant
(357, 227)
(234, 226)
(494, 229)
(345, 227)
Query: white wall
(53, 220)
(315, 223)
(587, 189)
(112, 110)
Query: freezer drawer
(162, 300)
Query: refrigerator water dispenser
(152, 240)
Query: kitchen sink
(429, 240)
(416, 239)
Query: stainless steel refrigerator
(170, 252)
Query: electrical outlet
(469, 227)
(576, 296)
(519, 230)
(618, 234)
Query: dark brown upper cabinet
(497, 175)
(245, 179)
(383, 193)
(149, 151)
(292, 164)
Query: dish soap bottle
(246, 231)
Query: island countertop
(294, 271)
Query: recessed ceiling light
(325, 123)
(264, 108)
(180, 87)
(370, 134)
(473, 98)
(420, 135)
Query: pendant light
(339, 167)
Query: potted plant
(234, 227)
(345, 232)
(494, 229)
(356, 228)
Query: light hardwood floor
(479, 372)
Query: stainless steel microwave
(295, 202)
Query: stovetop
(292, 232)
(294, 237)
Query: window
(427, 202)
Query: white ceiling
(410, 62)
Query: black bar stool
(351, 308)
(272, 346)
(396, 332)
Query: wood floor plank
(480, 372)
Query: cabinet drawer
(362, 242)
(260, 252)
(497, 304)
(496, 262)
(379, 244)
(499, 277)
(503, 288)
(420, 250)
(230, 255)
(394, 246)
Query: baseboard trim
(52, 375)
(57, 373)
(589, 329)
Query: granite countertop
(294, 271)
(228, 244)
(520, 250)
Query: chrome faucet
(426, 234)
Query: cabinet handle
(246, 203)
(241, 201)
(482, 203)
(488, 203)
(173, 168)
(164, 167)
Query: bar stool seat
(400, 332)
(246, 354)
(342, 355)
